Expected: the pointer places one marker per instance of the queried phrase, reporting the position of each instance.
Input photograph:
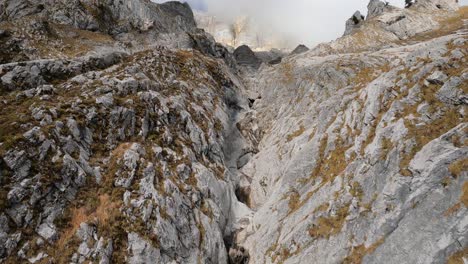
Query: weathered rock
(300, 49)
(48, 232)
(437, 77)
(106, 100)
(246, 57)
(238, 256)
(376, 8)
(141, 251)
(436, 5)
(354, 23)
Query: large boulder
(376, 7)
(353, 23)
(246, 57)
(300, 49)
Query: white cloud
(302, 21)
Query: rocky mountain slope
(127, 135)
(363, 155)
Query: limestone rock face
(110, 16)
(50, 28)
(356, 160)
(129, 136)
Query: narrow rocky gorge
(128, 135)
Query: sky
(304, 21)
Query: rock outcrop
(354, 23)
(390, 27)
(109, 16)
(50, 28)
(246, 57)
(377, 7)
(300, 49)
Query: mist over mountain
(296, 21)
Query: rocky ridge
(362, 157)
(151, 144)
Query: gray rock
(300, 49)
(451, 92)
(105, 250)
(354, 23)
(141, 251)
(19, 163)
(48, 232)
(376, 8)
(436, 5)
(38, 257)
(437, 77)
(106, 100)
(246, 57)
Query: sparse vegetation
(459, 166)
(359, 252)
(295, 134)
(458, 257)
(325, 227)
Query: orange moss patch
(294, 201)
(359, 252)
(321, 208)
(295, 134)
(464, 196)
(287, 70)
(452, 210)
(458, 167)
(457, 258)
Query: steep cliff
(363, 155)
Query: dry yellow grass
(457, 258)
(102, 214)
(329, 226)
(459, 166)
(332, 164)
(294, 201)
(448, 24)
(321, 208)
(426, 133)
(295, 134)
(358, 253)
(464, 196)
(287, 70)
